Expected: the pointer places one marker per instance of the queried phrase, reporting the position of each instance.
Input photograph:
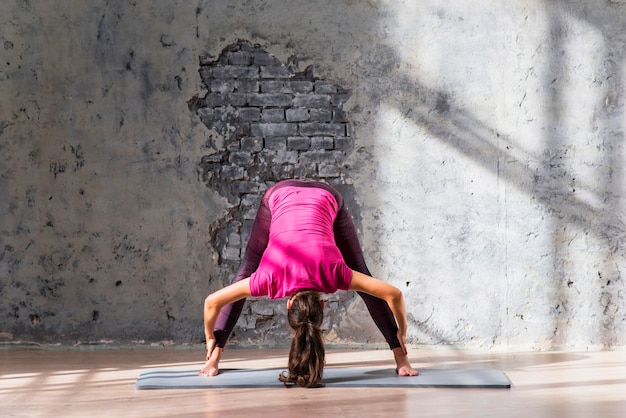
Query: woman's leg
(347, 241)
(257, 243)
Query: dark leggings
(348, 243)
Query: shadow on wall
(579, 208)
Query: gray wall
(485, 171)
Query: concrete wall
(485, 173)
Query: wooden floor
(79, 383)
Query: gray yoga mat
(333, 377)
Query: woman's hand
(211, 342)
(212, 306)
(402, 338)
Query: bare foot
(211, 367)
(403, 366)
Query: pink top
(301, 253)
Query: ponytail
(307, 352)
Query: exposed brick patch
(276, 124)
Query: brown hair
(306, 354)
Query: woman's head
(305, 313)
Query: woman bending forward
(303, 243)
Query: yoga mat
(333, 377)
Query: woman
(304, 242)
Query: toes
(406, 372)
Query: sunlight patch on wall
(438, 222)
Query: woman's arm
(390, 294)
(215, 302)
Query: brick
(251, 200)
(322, 142)
(214, 99)
(274, 86)
(249, 114)
(246, 86)
(328, 170)
(222, 86)
(272, 71)
(321, 115)
(251, 144)
(343, 143)
(304, 170)
(269, 99)
(230, 172)
(206, 115)
(286, 157)
(273, 115)
(234, 240)
(241, 130)
(240, 58)
(246, 46)
(286, 86)
(316, 157)
(311, 100)
(265, 59)
(300, 86)
(246, 322)
(224, 113)
(265, 158)
(297, 114)
(325, 87)
(231, 253)
(274, 129)
(242, 187)
(233, 71)
(249, 214)
(322, 129)
(240, 158)
(276, 143)
(236, 99)
(261, 309)
(283, 171)
(298, 143)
